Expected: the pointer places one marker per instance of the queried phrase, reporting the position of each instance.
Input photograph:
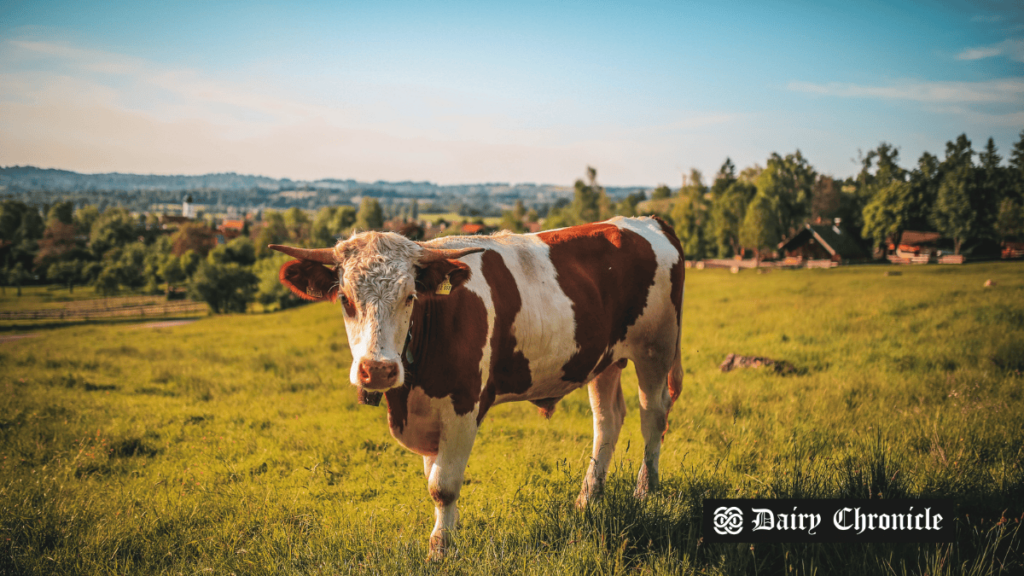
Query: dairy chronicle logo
(728, 520)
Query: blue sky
(457, 92)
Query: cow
(448, 328)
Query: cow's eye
(410, 298)
(349, 309)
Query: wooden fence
(94, 310)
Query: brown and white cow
(528, 317)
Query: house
(475, 229)
(917, 244)
(231, 229)
(821, 242)
(1013, 249)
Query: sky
(472, 92)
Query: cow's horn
(434, 254)
(322, 255)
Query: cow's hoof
(438, 546)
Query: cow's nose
(377, 375)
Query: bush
(225, 287)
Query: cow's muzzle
(375, 375)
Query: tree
(114, 228)
(241, 251)
(225, 287)
(172, 272)
(85, 217)
(510, 222)
(627, 206)
(370, 215)
(826, 199)
(587, 200)
(271, 231)
(330, 224)
(1015, 171)
(519, 210)
(63, 212)
(727, 214)
(20, 227)
(270, 290)
(59, 243)
(760, 231)
(661, 192)
(965, 209)
(787, 182)
(887, 213)
(954, 216)
(690, 216)
(1010, 220)
(67, 272)
(195, 237)
(297, 223)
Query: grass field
(234, 444)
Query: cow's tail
(675, 375)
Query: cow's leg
(445, 476)
(655, 402)
(609, 410)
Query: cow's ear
(430, 276)
(310, 280)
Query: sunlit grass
(235, 443)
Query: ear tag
(445, 287)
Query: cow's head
(376, 276)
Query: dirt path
(13, 337)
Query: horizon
(527, 94)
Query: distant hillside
(31, 177)
(243, 193)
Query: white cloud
(1012, 48)
(1002, 91)
(93, 111)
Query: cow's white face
(377, 278)
(377, 291)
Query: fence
(749, 263)
(96, 311)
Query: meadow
(235, 444)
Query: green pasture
(44, 297)
(234, 444)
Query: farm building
(231, 229)
(821, 242)
(914, 243)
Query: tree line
(969, 197)
(116, 251)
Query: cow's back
(564, 304)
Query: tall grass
(234, 444)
